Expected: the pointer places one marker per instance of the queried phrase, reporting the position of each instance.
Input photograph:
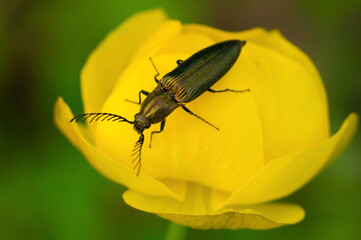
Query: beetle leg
(227, 90)
(162, 124)
(155, 77)
(140, 99)
(191, 113)
(179, 62)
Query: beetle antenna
(137, 152)
(100, 116)
(192, 113)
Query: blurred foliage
(48, 190)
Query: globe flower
(272, 140)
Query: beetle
(190, 79)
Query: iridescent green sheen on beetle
(186, 82)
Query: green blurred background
(47, 188)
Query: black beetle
(185, 83)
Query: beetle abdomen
(203, 69)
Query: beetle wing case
(203, 69)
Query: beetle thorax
(141, 123)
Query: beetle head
(140, 123)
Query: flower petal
(195, 211)
(117, 50)
(285, 175)
(287, 89)
(188, 149)
(106, 166)
(272, 40)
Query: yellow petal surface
(118, 49)
(196, 212)
(285, 175)
(286, 86)
(105, 165)
(188, 149)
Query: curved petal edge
(189, 213)
(107, 166)
(285, 175)
(104, 66)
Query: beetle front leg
(162, 124)
(228, 90)
(155, 77)
(191, 113)
(140, 98)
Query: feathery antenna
(101, 117)
(137, 152)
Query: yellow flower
(271, 142)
